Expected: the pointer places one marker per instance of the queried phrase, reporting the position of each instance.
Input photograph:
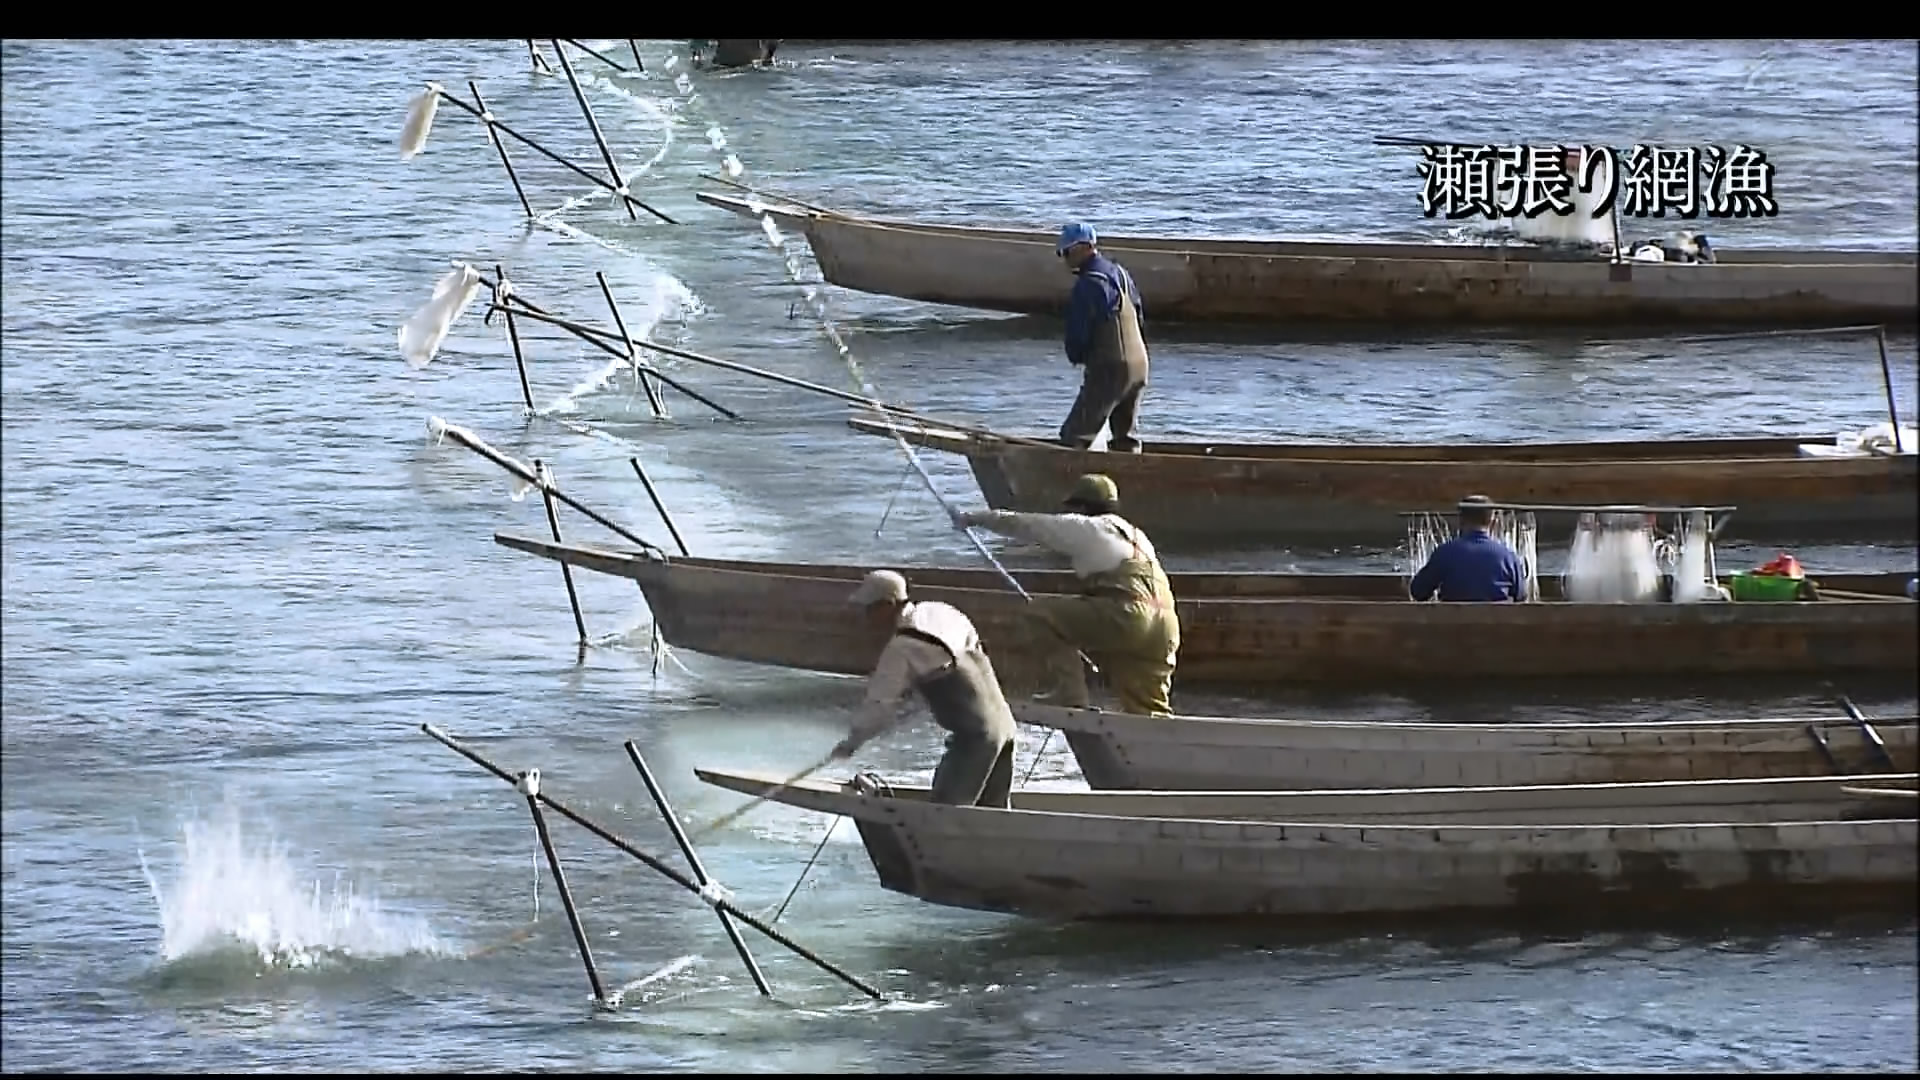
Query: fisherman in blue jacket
(1104, 341)
(1474, 566)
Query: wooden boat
(1200, 493)
(1250, 629)
(1124, 751)
(1196, 279)
(1583, 849)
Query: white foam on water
(232, 892)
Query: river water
(239, 574)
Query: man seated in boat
(1474, 566)
(1124, 617)
(935, 650)
(1104, 341)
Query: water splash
(236, 894)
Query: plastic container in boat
(1748, 585)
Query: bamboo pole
(647, 482)
(528, 784)
(557, 159)
(479, 446)
(693, 860)
(513, 335)
(593, 124)
(553, 522)
(706, 894)
(596, 338)
(1886, 377)
(486, 117)
(653, 395)
(614, 64)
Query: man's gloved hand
(961, 519)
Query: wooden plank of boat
(1201, 493)
(1126, 751)
(1881, 793)
(1254, 629)
(1629, 847)
(1197, 279)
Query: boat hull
(1203, 280)
(1121, 751)
(1681, 851)
(1254, 629)
(1182, 494)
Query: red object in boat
(1785, 566)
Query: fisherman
(1103, 339)
(1123, 618)
(934, 649)
(1474, 566)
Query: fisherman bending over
(1123, 619)
(1475, 565)
(935, 650)
(1104, 341)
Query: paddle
(728, 819)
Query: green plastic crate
(1747, 585)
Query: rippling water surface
(239, 574)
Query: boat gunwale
(847, 803)
(1089, 719)
(1172, 245)
(985, 444)
(649, 568)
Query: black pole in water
(637, 64)
(513, 335)
(1886, 375)
(655, 864)
(566, 572)
(486, 117)
(597, 338)
(598, 181)
(472, 443)
(647, 482)
(529, 785)
(593, 124)
(653, 395)
(614, 64)
(693, 860)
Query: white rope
(816, 297)
(715, 894)
(528, 784)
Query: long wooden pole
(597, 338)
(486, 117)
(668, 872)
(532, 790)
(599, 140)
(479, 446)
(693, 860)
(614, 64)
(599, 181)
(1886, 377)
(647, 482)
(553, 522)
(513, 335)
(653, 396)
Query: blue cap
(1076, 233)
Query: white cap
(880, 587)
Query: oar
(750, 189)
(776, 789)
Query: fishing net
(1427, 531)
